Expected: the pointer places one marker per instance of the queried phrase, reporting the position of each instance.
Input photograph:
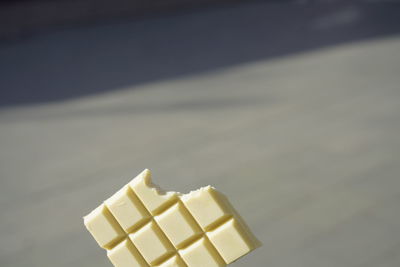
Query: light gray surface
(305, 146)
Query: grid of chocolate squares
(142, 226)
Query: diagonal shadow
(84, 61)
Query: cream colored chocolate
(174, 261)
(201, 253)
(126, 255)
(103, 227)
(141, 225)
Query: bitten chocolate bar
(141, 225)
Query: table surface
(306, 146)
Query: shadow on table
(84, 61)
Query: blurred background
(291, 108)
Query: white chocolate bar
(141, 225)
